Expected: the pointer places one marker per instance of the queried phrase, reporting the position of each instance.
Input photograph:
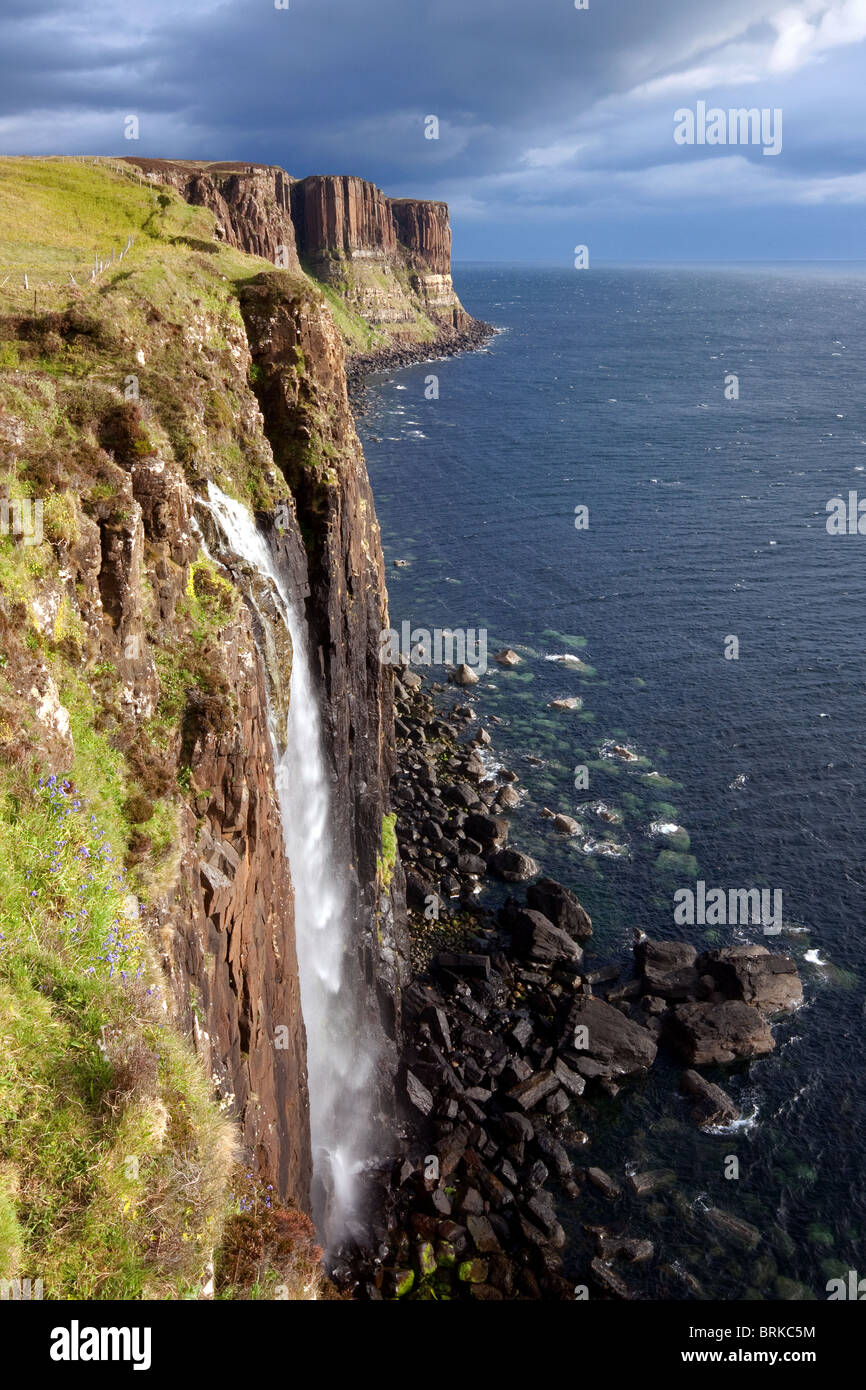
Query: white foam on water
(665, 827)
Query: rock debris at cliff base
(498, 1082)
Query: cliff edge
(147, 352)
(384, 264)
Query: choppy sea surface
(706, 521)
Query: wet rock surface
(507, 1046)
(450, 342)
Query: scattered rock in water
(471, 864)
(464, 675)
(739, 1232)
(575, 1085)
(567, 825)
(668, 968)
(490, 831)
(574, 663)
(713, 1106)
(461, 794)
(571, 702)
(600, 1042)
(604, 1183)
(608, 849)
(560, 906)
(619, 750)
(473, 766)
(507, 657)
(664, 829)
(609, 1247)
(683, 1278)
(608, 1281)
(707, 1035)
(535, 937)
(751, 973)
(402, 564)
(501, 1036)
(652, 1180)
(513, 866)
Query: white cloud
(551, 156)
(799, 39)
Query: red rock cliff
(424, 231)
(346, 216)
(251, 202)
(311, 430)
(342, 216)
(389, 258)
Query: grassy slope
(115, 1158)
(359, 336)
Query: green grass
(114, 1159)
(357, 334)
(360, 336)
(168, 302)
(386, 860)
(56, 215)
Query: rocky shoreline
(510, 1030)
(449, 343)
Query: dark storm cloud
(544, 110)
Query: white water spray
(340, 1059)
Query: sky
(556, 125)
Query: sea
(630, 488)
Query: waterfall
(340, 1059)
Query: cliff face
(311, 430)
(227, 925)
(224, 927)
(134, 636)
(342, 216)
(240, 378)
(424, 232)
(389, 258)
(250, 202)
